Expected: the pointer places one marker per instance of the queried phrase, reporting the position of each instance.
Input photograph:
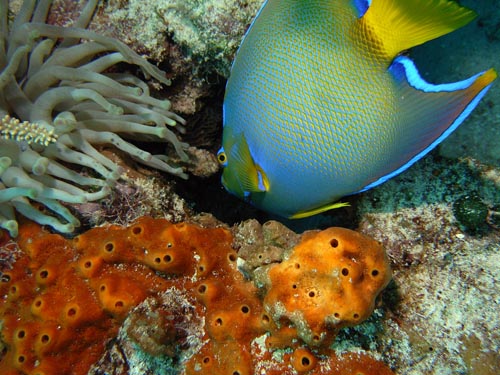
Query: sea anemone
(58, 101)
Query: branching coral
(58, 104)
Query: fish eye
(221, 157)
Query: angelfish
(321, 103)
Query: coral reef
(60, 105)
(181, 302)
(49, 299)
(443, 318)
(208, 31)
(194, 41)
(335, 274)
(471, 213)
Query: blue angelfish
(321, 103)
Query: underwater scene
(249, 187)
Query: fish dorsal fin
(402, 24)
(251, 176)
(429, 113)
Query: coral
(12, 128)
(329, 281)
(60, 105)
(194, 41)
(177, 293)
(470, 212)
(260, 245)
(208, 31)
(445, 278)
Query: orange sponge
(63, 300)
(329, 281)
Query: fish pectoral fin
(402, 24)
(428, 113)
(251, 176)
(315, 211)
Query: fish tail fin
(402, 24)
(428, 113)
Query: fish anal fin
(402, 24)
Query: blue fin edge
(361, 6)
(403, 67)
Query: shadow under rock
(208, 195)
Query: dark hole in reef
(45, 339)
(38, 303)
(218, 322)
(206, 360)
(119, 304)
(345, 271)
(87, 264)
(109, 247)
(136, 230)
(202, 288)
(71, 312)
(245, 309)
(334, 242)
(44, 274)
(21, 334)
(311, 294)
(375, 273)
(167, 258)
(305, 361)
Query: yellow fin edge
(315, 211)
(251, 176)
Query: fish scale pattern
(325, 105)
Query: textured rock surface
(177, 294)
